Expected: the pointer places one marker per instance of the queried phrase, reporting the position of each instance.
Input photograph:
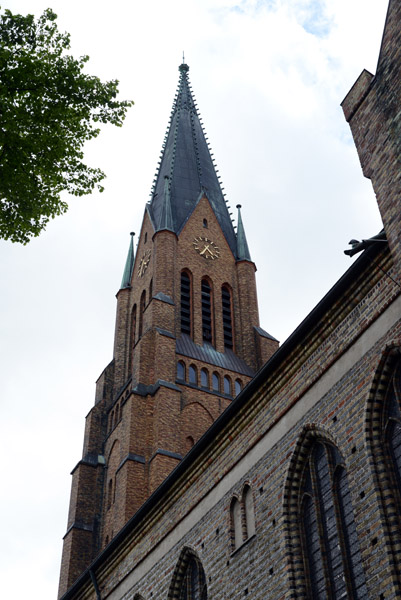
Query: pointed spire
(166, 216)
(129, 265)
(187, 162)
(242, 245)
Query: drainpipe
(95, 585)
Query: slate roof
(206, 353)
(186, 169)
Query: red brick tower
(187, 339)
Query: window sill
(245, 543)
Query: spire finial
(129, 264)
(242, 245)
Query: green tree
(48, 109)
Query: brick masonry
(327, 382)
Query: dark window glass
(227, 321)
(330, 541)
(227, 385)
(216, 382)
(142, 309)
(192, 375)
(206, 312)
(185, 303)
(193, 586)
(238, 387)
(181, 370)
(204, 378)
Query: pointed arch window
(141, 311)
(193, 585)
(227, 318)
(207, 315)
(329, 538)
(186, 303)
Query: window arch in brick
(141, 311)
(132, 336)
(181, 370)
(238, 386)
(322, 540)
(236, 523)
(216, 382)
(186, 308)
(207, 311)
(384, 443)
(189, 580)
(247, 502)
(227, 385)
(193, 375)
(204, 378)
(227, 317)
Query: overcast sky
(269, 76)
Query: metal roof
(186, 170)
(206, 353)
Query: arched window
(207, 321)
(141, 311)
(216, 382)
(238, 386)
(205, 225)
(133, 333)
(247, 501)
(181, 370)
(150, 290)
(328, 533)
(227, 320)
(193, 375)
(236, 523)
(109, 493)
(112, 420)
(227, 385)
(189, 580)
(384, 443)
(204, 378)
(185, 303)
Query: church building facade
(217, 464)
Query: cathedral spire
(187, 162)
(242, 245)
(129, 264)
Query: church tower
(187, 340)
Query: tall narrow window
(132, 337)
(189, 581)
(216, 382)
(238, 386)
(181, 370)
(207, 325)
(204, 378)
(185, 303)
(236, 523)
(330, 541)
(193, 375)
(227, 385)
(141, 311)
(227, 320)
(150, 290)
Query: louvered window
(185, 303)
(207, 330)
(227, 320)
(331, 547)
(193, 586)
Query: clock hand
(204, 250)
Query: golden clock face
(143, 263)
(206, 248)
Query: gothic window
(227, 320)
(204, 378)
(109, 493)
(185, 303)
(392, 427)
(238, 386)
(216, 382)
(247, 500)
(193, 375)
(236, 523)
(193, 582)
(112, 420)
(205, 225)
(242, 517)
(329, 538)
(141, 311)
(150, 290)
(133, 333)
(227, 385)
(207, 321)
(181, 370)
